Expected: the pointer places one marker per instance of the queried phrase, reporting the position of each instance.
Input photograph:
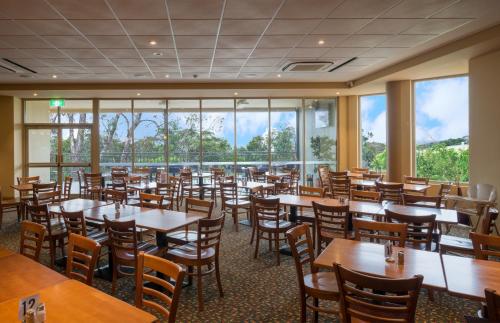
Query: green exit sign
(56, 103)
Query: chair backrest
(266, 209)
(282, 188)
(152, 201)
(257, 191)
(82, 258)
(485, 192)
(394, 232)
(167, 190)
(339, 186)
(373, 177)
(311, 191)
(119, 170)
(492, 305)
(376, 299)
(176, 182)
(171, 273)
(338, 175)
(196, 206)
(360, 170)
(258, 176)
(485, 245)
(118, 177)
(444, 189)
(28, 180)
(273, 179)
(122, 237)
(301, 245)
(75, 222)
(92, 180)
(421, 200)
(420, 227)
(390, 191)
(46, 197)
(323, 171)
(40, 214)
(113, 195)
(32, 235)
(331, 220)
(366, 196)
(44, 187)
(216, 174)
(209, 235)
(228, 191)
(66, 193)
(416, 180)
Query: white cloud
(378, 125)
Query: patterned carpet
(255, 290)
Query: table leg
(200, 184)
(285, 250)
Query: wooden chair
(373, 230)
(419, 230)
(367, 298)
(28, 180)
(258, 176)
(282, 188)
(416, 180)
(293, 180)
(492, 305)
(339, 186)
(444, 189)
(115, 196)
(81, 182)
(311, 191)
(175, 181)
(331, 222)
(46, 198)
(66, 189)
(167, 190)
(360, 170)
(32, 237)
(232, 203)
(270, 221)
(366, 196)
(307, 216)
(82, 258)
(55, 229)
(215, 175)
(44, 188)
(193, 206)
(272, 179)
(485, 246)
(323, 171)
(203, 252)
(373, 177)
(125, 247)
(93, 185)
(152, 201)
(171, 282)
(390, 191)
(315, 285)
(7, 205)
(188, 189)
(421, 200)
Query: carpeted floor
(255, 290)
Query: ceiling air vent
(314, 66)
(14, 67)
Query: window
(441, 128)
(285, 115)
(373, 110)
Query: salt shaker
(40, 313)
(401, 258)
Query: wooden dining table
(4, 252)
(445, 216)
(75, 205)
(251, 185)
(468, 277)
(369, 258)
(418, 188)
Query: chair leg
(200, 291)
(257, 241)
(316, 304)
(254, 227)
(52, 251)
(234, 212)
(217, 275)
(113, 280)
(303, 309)
(277, 246)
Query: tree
(439, 162)
(323, 148)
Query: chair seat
(456, 243)
(188, 252)
(141, 246)
(57, 227)
(272, 224)
(323, 284)
(237, 203)
(98, 236)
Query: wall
(11, 143)
(484, 119)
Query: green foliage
(439, 162)
(373, 153)
(323, 147)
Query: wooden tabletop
(126, 211)
(21, 276)
(165, 220)
(407, 187)
(306, 201)
(72, 301)
(468, 277)
(76, 205)
(369, 258)
(5, 252)
(251, 185)
(442, 215)
(22, 187)
(142, 186)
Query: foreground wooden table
(442, 215)
(21, 276)
(76, 205)
(407, 187)
(369, 258)
(72, 301)
(468, 277)
(5, 252)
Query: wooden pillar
(348, 141)
(11, 143)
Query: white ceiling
(241, 40)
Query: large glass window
(285, 116)
(320, 136)
(217, 122)
(442, 128)
(373, 110)
(115, 133)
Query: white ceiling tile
(110, 41)
(311, 52)
(60, 62)
(166, 69)
(365, 61)
(31, 63)
(24, 42)
(237, 41)
(363, 41)
(195, 27)
(416, 8)
(308, 8)
(153, 52)
(329, 40)
(147, 27)
(195, 70)
(224, 75)
(225, 69)
(194, 62)
(243, 27)
(171, 75)
(292, 27)
(144, 9)
(384, 52)
(98, 27)
(344, 52)
(161, 41)
(229, 62)
(13, 53)
(68, 41)
(232, 52)
(252, 75)
(127, 62)
(257, 69)
(406, 40)
(195, 9)
(255, 9)
(49, 27)
(27, 9)
(469, 9)
(195, 41)
(120, 53)
(45, 53)
(134, 69)
(340, 26)
(362, 8)
(388, 26)
(269, 52)
(436, 26)
(82, 52)
(195, 52)
(8, 27)
(263, 61)
(44, 70)
(279, 41)
(78, 9)
(101, 69)
(72, 69)
(170, 62)
(94, 62)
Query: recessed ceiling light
(167, 76)
(138, 94)
(35, 94)
(337, 93)
(158, 54)
(235, 93)
(152, 42)
(279, 75)
(54, 76)
(321, 42)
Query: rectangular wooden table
(5, 252)
(369, 258)
(250, 185)
(442, 215)
(126, 212)
(76, 205)
(21, 276)
(468, 277)
(406, 187)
